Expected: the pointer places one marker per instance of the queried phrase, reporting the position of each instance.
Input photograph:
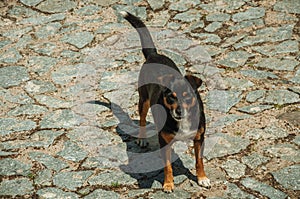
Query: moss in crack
(115, 184)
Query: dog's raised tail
(148, 46)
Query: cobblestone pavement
(68, 81)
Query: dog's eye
(171, 99)
(189, 100)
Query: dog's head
(179, 96)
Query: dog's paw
(168, 187)
(141, 142)
(204, 182)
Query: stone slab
(16, 34)
(11, 125)
(253, 109)
(234, 168)
(111, 157)
(229, 99)
(259, 74)
(72, 152)
(5, 153)
(234, 191)
(253, 96)
(290, 6)
(71, 180)
(56, 6)
(21, 11)
(66, 74)
(53, 102)
(90, 137)
(177, 194)
(42, 19)
(139, 11)
(16, 187)
(207, 38)
(49, 161)
(43, 138)
(48, 30)
(41, 64)
(30, 2)
(138, 192)
(254, 160)
(61, 119)
(11, 167)
(262, 188)
(47, 48)
(177, 44)
(251, 13)
(236, 84)
(226, 5)
(53, 193)
(197, 54)
(100, 193)
(288, 177)
(277, 64)
(4, 43)
(111, 178)
(19, 97)
(212, 27)
(296, 78)
(192, 27)
(105, 2)
(13, 76)
(227, 120)
(297, 140)
(290, 46)
(245, 25)
(188, 16)
(43, 178)
(280, 97)
(182, 5)
(233, 40)
(287, 152)
(109, 27)
(235, 59)
(39, 87)
(226, 145)
(268, 133)
(268, 34)
(155, 5)
(79, 39)
(218, 16)
(291, 117)
(88, 10)
(27, 109)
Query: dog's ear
(194, 81)
(166, 80)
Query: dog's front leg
(165, 140)
(198, 147)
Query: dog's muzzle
(179, 113)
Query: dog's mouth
(178, 117)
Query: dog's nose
(178, 111)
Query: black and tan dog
(161, 83)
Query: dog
(161, 83)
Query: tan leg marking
(201, 176)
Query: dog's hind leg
(144, 106)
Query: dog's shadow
(144, 164)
